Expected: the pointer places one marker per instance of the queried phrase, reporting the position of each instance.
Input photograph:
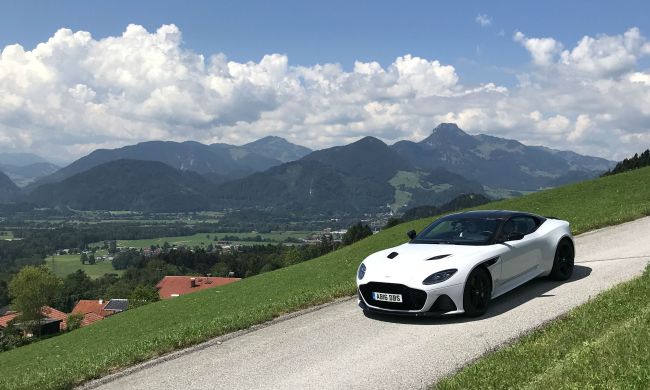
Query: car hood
(413, 262)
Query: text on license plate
(377, 296)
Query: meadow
(63, 265)
(600, 345)
(205, 239)
(6, 235)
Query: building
(174, 286)
(53, 321)
(95, 306)
(97, 310)
(115, 306)
(90, 318)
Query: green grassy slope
(139, 334)
(600, 345)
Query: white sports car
(461, 261)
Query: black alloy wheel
(478, 290)
(563, 262)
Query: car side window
(523, 224)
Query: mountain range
(134, 185)
(364, 176)
(219, 162)
(499, 163)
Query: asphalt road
(337, 347)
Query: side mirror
(512, 237)
(411, 234)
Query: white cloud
(543, 50)
(75, 93)
(583, 124)
(639, 77)
(605, 55)
(483, 20)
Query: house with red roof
(94, 310)
(6, 318)
(53, 320)
(174, 286)
(90, 318)
(96, 306)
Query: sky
(81, 75)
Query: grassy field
(143, 333)
(604, 344)
(63, 265)
(6, 235)
(204, 239)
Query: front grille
(412, 298)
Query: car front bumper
(416, 301)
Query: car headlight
(361, 272)
(439, 277)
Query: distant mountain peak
(498, 163)
(270, 138)
(449, 134)
(278, 148)
(369, 140)
(448, 128)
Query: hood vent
(392, 255)
(438, 257)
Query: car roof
(500, 214)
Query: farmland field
(204, 239)
(63, 265)
(6, 235)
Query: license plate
(377, 296)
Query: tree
(4, 294)
(91, 259)
(11, 337)
(31, 289)
(143, 295)
(635, 162)
(112, 246)
(84, 258)
(293, 255)
(79, 285)
(125, 259)
(74, 321)
(220, 269)
(356, 232)
(119, 290)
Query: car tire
(477, 293)
(563, 263)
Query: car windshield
(460, 230)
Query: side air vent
(438, 257)
(491, 261)
(393, 255)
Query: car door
(523, 255)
